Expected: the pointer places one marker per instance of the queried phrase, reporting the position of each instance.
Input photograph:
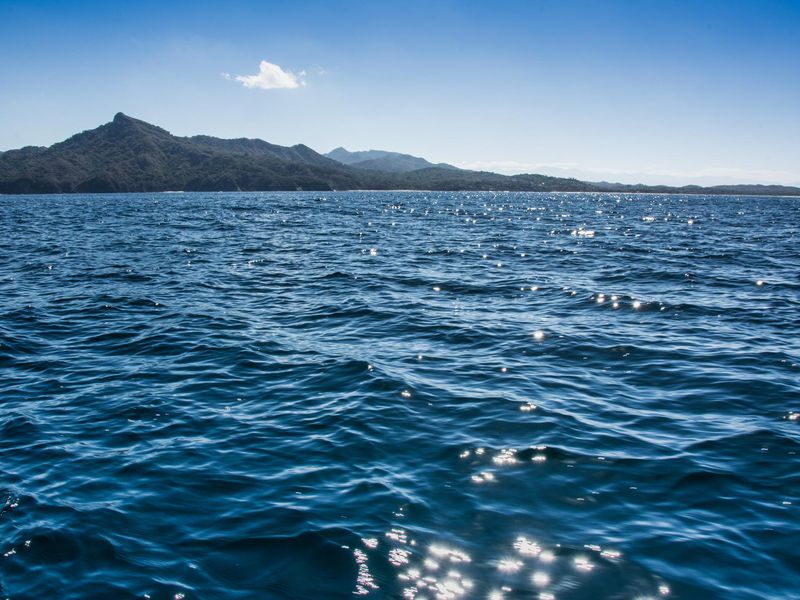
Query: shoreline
(409, 191)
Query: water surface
(399, 395)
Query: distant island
(130, 155)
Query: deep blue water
(401, 395)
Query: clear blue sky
(655, 91)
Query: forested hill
(129, 155)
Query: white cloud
(270, 77)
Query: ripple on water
(420, 395)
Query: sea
(410, 395)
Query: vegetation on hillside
(129, 155)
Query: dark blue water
(399, 395)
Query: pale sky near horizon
(661, 91)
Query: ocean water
(399, 395)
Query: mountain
(129, 155)
(382, 160)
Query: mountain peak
(122, 124)
(128, 121)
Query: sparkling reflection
(526, 567)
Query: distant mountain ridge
(383, 160)
(130, 155)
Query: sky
(656, 91)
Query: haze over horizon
(663, 92)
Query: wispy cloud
(270, 77)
